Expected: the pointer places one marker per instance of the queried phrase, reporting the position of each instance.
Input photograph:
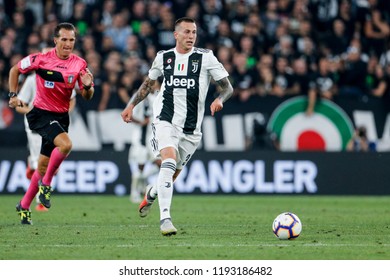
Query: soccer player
(178, 110)
(57, 72)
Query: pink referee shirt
(55, 78)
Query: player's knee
(42, 169)
(66, 147)
(63, 142)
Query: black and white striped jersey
(182, 96)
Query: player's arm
(225, 92)
(143, 91)
(25, 89)
(13, 87)
(226, 89)
(27, 93)
(87, 81)
(87, 94)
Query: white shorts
(167, 135)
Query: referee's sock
(31, 192)
(56, 158)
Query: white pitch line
(199, 245)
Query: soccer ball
(287, 226)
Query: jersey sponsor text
(181, 82)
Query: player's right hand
(216, 106)
(15, 102)
(127, 114)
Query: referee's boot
(25, 214)
(44, 194)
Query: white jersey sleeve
(28, 90)
(215, 68)
(74, 93)
(157, 67)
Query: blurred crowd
(269, 47)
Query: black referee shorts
(48, 125)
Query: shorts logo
(49, 84)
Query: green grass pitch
(220, 227)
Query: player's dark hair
(183, 19)
(64, 25)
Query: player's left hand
(216, 106)
(86, 77)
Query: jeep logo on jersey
(180, 82)
(328, 129)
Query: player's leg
(135, 160)
(186, 149)
(150, 190)
(60, 149)
(164, 143)
(34, 145)
(165, 178)
(29, 169)
(151, 195)
(23, 207)
(165, 181)
(56, 145)
(164, 135)
(147, 167)
(43, 162)
(141, 182)
(58, 155)
(135, 195)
